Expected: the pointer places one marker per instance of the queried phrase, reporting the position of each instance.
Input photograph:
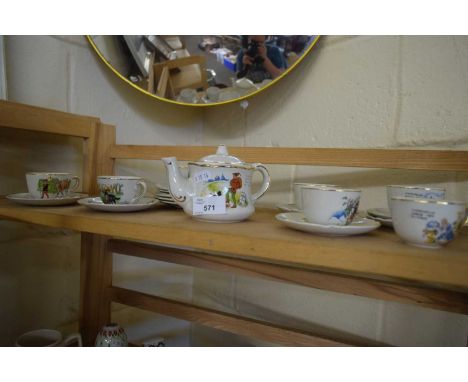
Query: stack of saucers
(382, 215)
(164, 196)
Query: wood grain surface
(437, 160)
(33, 118)
(358, 286)
(237, 324)
(380, 254)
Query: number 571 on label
(209, 205)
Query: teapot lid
(221, 158)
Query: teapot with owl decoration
(217, 188)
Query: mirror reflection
(202, 70)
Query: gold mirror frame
(273, 82)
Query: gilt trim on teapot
(223, 165)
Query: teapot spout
(178, 183)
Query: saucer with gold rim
(297, 221)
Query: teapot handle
(266, 181)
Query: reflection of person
(260, 61)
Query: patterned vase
(111, 335)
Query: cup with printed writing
(418, 192)
(427, 223)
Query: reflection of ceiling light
(147, 61)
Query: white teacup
(212, 93)
(297, 189)
(115, 189)
(47, 337)
(427, 223)
(188, 95)
(418, 192)
(51, 185)
(330, 205)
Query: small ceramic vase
(111, 335)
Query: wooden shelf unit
(377, 265)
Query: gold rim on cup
(418, 188)
(338, 189)
(428, 201)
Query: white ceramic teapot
(217, 187)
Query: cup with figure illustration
(51, 185)
(116, 189)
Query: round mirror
(202, 70)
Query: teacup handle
(266, 181)
(142, 186)
(75, 337)
(75, 182)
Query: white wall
(3, 94)
(351, 92)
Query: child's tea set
(419, 215)
(217, 188)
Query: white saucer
(288, 207)
(384, 222)
(97, 204)
(297, 221)
(167, 201)
(171, 203)
(383, 213)
(26, 198)
(162, 199)
(163, 193)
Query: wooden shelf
(377, 265)
(379, 255)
